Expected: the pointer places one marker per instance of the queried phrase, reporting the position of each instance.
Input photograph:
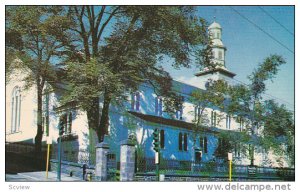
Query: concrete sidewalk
(39, 176)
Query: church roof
(215, 25)
(218, 69)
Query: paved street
(38, 176)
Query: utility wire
(263, 10)
(258, 27)
(277, 98)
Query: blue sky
(247, 46)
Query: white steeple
(218, 48)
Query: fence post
(101, 161)
(127, 158)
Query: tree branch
(106, 22)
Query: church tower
(218, 51)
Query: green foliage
(31, 40)
(266, 124)
(213, 96)
(279, 129)
(269, 125)
(127, 54)
(266, 71)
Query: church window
(241, 123)
(213, 118)
(135, 101)
(158, 105)
(197, 111)
(182, 141)
(66, 120)
(220, 55)
(179, 112)
(228, 121)
(203, 144)
(69, 123)
(185, 142)
(15, 110)
(237, 150)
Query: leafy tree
(279, 130)
(246, 103)
(212, 97)
(266, 124)
(121, 47)
(30, 37)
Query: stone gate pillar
(127, 160)
(101, 161)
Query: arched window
(15, 110)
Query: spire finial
(214, 18)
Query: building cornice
(176, 123)
(220, 70)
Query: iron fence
(70, 154)
(208, 169)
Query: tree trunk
(93, 115)
(104, 122)
(251, 155)
(39, 134)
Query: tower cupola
(218, 48)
